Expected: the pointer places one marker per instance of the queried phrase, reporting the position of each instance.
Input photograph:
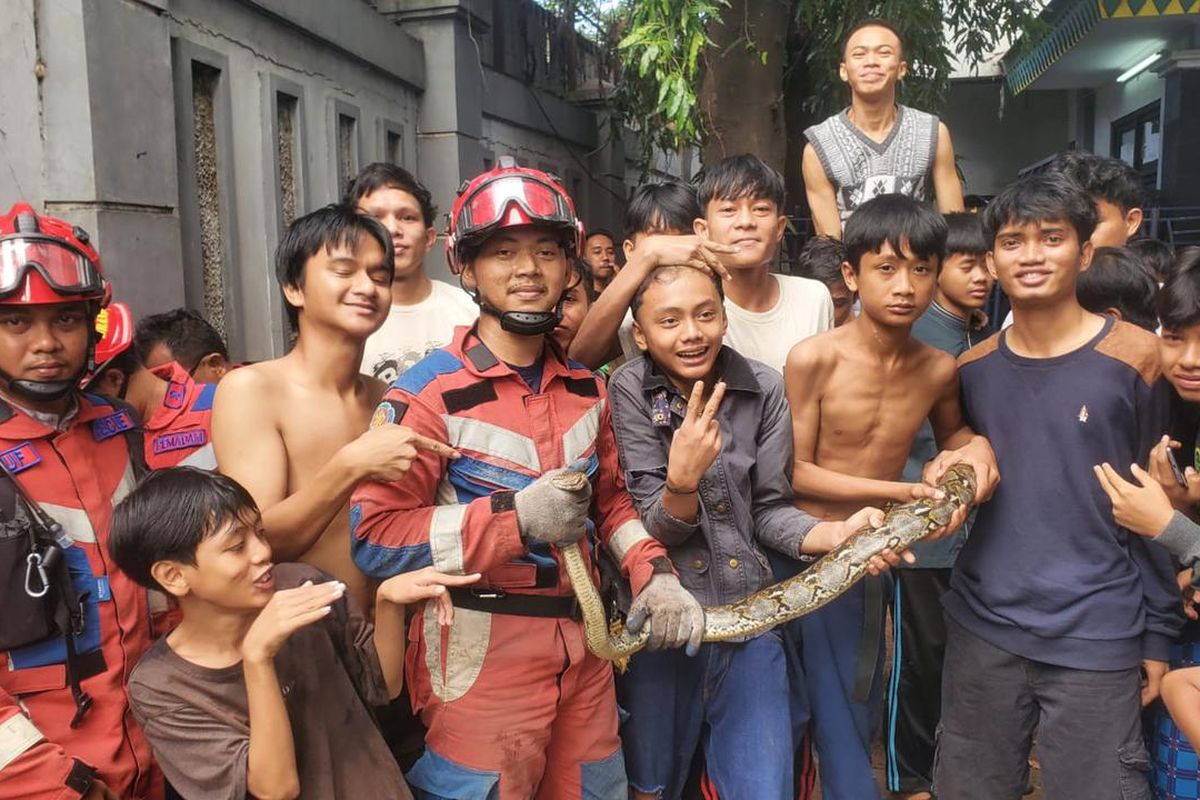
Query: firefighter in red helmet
(515, 704)
(71, 629)
(175, 412)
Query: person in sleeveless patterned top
(875, 146)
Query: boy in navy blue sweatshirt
(1057, 618)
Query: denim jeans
(738, 691)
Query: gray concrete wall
(991, 148)
(96, 113)
(99, 124)
(360, 66)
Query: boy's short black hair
(895, 219)
(1179, 298)
(669, 206)
(964, 234)
(1103, 178)
(739, 177)
(335, 225)
(186, 334)
(1041, 197)
(167, 516)
(583, 273)
(821, 259)
(872, 22)
(1157, 257)
(659, 275)
(1116, 280)
(382, 175)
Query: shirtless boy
(293, 430)
(858, 395)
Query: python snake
(826, 579)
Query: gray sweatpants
(1089, 734)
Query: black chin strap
(41, 391)
(524, 323)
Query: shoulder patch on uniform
(388, 412)
(1133, 347)
(20, 458)
(981, 350)
(421, 374)
(113, 424)
(475, 394)
(584, 387)
(180, 440)
(176, 395)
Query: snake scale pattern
(826, 579)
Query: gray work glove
(676, 617)
(547, 513)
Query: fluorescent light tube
(1137, 68)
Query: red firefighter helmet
(47, 260)
(114, 331)
(504, 197)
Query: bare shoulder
(935, 366)
(813, 358)
(248, 384)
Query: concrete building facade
(1128, 75)
(186, 134)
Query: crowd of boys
(336, 574)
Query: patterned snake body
(826, 579)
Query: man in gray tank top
(875, 146)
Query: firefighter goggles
(66, 269)
(486, 206)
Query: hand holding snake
(825, 580)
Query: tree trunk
(740, 97)
(797, 83)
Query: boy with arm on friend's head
(859, 395)
(266, 686)
(741, 199)
(658, 231)
(1051, 603)
(704, 440)
(919, 629)
(875, 146)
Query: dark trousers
(914, 701)
(842, 648)
(1088, 723)
(732, 697)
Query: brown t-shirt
(198, 721)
